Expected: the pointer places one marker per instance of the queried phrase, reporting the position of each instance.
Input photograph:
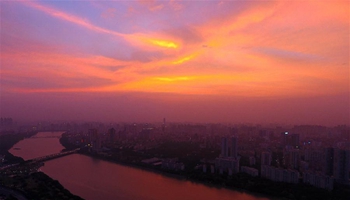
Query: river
(94, 179)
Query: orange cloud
(61, 68)
(182, 60)
(163, 43)
(263, 51)
(172, 79)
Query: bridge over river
(36, 137)
(52, 156)
(32, 165)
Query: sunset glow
(212, 49)
(164, 43)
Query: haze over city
(210, 61)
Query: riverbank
(238, 182)
(178, 176)
(7, 141)
(241, 182)
(37, 186)
(28, 186)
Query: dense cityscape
(280, 161)
(174, 99)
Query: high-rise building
(318, 180)
(294, 140)
(266, 158)
(111, 134)
(294, 159)
(341, 165)
(284, 136)
(315, 158)
(252, 160)
(227, 164)
(290, 139)
(229, 159)
(279, 174)
(95, 141)
(229, 148)
(291, 158)
(328, 161)
(224, 145)
(233, 147)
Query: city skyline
(228, 61)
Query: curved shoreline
(21, 186)
(169, 174)
(239, 182)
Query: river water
(94, 179)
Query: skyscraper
(233, 147)
(290, 139)
(111, 134)
(294, 159)
(284, 136)
(229, 148)
(229, 159)
(95, 141)
(294, 141)
(328, 161)
(266, 158)
(224, 145)
(341, 167)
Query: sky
(237, 61)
